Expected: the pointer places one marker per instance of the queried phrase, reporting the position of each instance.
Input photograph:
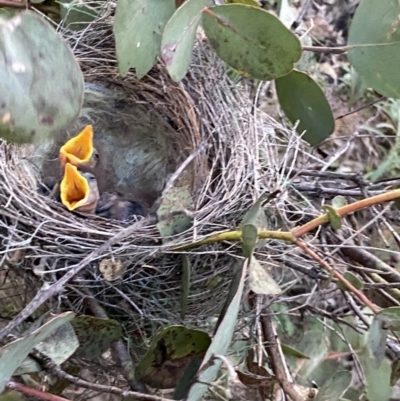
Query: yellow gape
(79, 151)
(79, 190)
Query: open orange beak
(79, 150)
(77, 193)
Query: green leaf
(254, 218)
(302, 100)
(357, 87)
(249, 239)
(169, 355)
(335, 387)
(375, 33)
(138, 28)
(178, 37)
(334, 219)
(251, 40)
(219, 345)
(14, 353)
(185, 382)
(390, 317)
(353, 279)
(172, 219)
(256, 214)
(59, 346)
(41, 84)
(95, 335)
(290, 351)
(185, 284)
(376, 341)
(233, 289)
(260, 281)
(378, 379)
(78, 15)
(339, 201)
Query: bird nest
(203, 136)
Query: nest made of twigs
(244, 154)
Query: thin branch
(53, 368)
(337, 275)
(32, 392)
(332, 50)
(274, 355)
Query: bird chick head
(79, 190)
(79, 150)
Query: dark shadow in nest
(138, 148)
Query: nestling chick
(79, 151)
(79, 190)
(113, 206)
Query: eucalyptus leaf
(374, 37)
(41, 84)
(59, 346)
(334, 219)
(378, 379)
(95, 335)
(260, 281)
(185, 284)
(251, 40)
(302, 99)
(249, 239)
(14, 353)
(170, 353)
(219, 345)
(179, 35)
(138, 28)
(352, 279)
(376, 342)
(335, 387)
(172, 219)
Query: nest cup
(143, 129)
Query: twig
(53, 368)
(337, 275)
(351, 208)
(319, 191)
(365, 106)
(32, 392)
(332, 50)
(274, 355)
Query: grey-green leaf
(185, 284)
(41, 84)
(335, 387)
(14, 353)
(138, 28)
(376, 341)
(251, 40)
(390, 317)
(375, 39)
(249, 239)
(219, 345)
(59, 346)
(178, 37)
(78, 15)
(95, 335)
(302, 99)
(260, 281)
(172, 218)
